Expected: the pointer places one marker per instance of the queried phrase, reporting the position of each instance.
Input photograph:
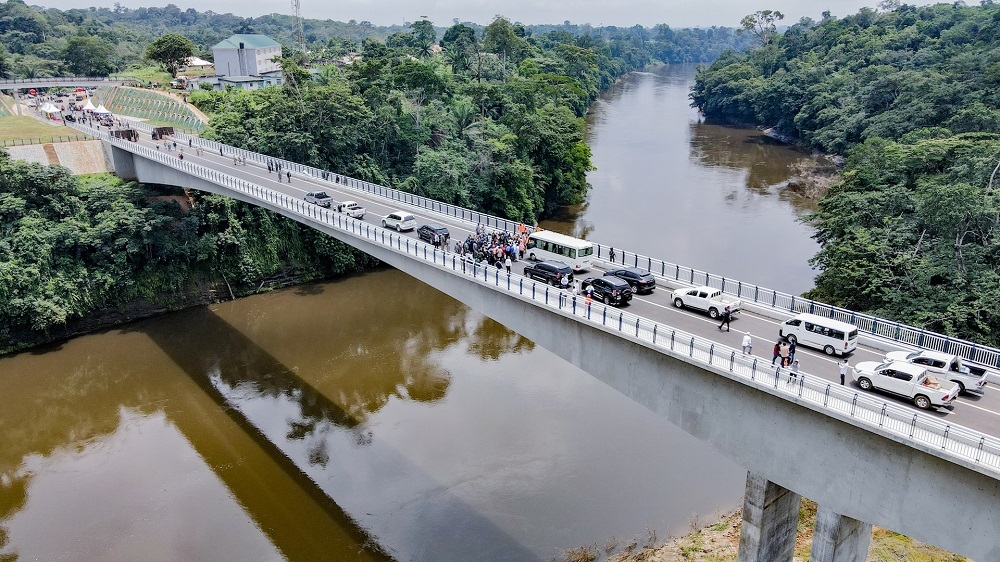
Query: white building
(246, 55)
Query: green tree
(87, 56)
(763, 24)
(171, 51)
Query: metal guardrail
(44, 140)
(949, 441)
(68, 80)
(895, 331)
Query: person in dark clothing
(777, 351)
(289, 176)
(611, 254)
(727, 315)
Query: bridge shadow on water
(236, 371)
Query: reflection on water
(367, 419)
(670, 186)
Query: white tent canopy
(49, 108)
(89, 106)
(101, 110)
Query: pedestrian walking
(576, 286)
(289, 176)
(175, 145)
(190, 144)
(843, 371)
(793, 371)
(791, 350)
(563, 281)
(180, 155)
(727, 315)
(506, 264)
(747, 344)
(590, 295)
(776, 351)
(220, 152)
(611, 254)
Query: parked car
(609, 290)
(908, 380)
(832, 336)
(946, 366)
(551, 272)
(638, 280)
(351, 209)
(706, 299)
(320, 198)
(400, 221)
(433, 233)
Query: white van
(545, 245)
(832, 336)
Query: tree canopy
(171, 51)
(910, 96)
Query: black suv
(609, 290)
(550, 272)
(638, 280)
(433, 233)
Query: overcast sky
(675, 13)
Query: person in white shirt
(747, 344)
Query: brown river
(375, 418)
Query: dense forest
(75, 245)
(38, 41)
(493, 122)
(909, 95)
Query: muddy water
(671, 186)
(375, 418)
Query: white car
(944, 365)
(351, 209)
(400, 221)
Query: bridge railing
(762, 296)
(68, 80)
(934, 436)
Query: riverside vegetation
(910, 97)
(493, 122)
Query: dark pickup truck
(550, 272)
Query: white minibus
(548, 245)
(832, 336)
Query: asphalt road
(978, 412)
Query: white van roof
(824, 321)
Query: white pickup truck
(706, 299)
(908, 380)
(351, 209)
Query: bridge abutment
(121, 162)
(770, 520)
(839, 538)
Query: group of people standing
(498, 248)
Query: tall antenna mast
(300, 36)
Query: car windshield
(913, 356)
(408, 218)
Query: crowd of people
(496, 248)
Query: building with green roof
(246, 55)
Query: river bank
(719, 542)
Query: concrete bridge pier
(838, 538)
(770, 520)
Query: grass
(23, 127)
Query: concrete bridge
(864, 459)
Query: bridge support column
(770, 520)
(121, 162)
(838, 538)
